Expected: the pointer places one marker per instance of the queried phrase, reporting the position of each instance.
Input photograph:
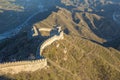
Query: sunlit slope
(77, 56)
(85, 59)
(69, 22)
(9, 5)
(74, 58)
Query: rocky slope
(73, 58)
(87, 51)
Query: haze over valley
(59, 40)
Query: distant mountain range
(90, 49)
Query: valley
(79, 39)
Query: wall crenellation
(33, 65)
(57, 34)
(20, 63)
(16, 67)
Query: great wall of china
(33, 65)
(16, 67)
(50, 40)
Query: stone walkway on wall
(16, 67)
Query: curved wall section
(16, 67)
(50, 41)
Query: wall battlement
(57, 34)
(19, 66)
(16, 67)
(50, 41)
(45, 29)
(3, 65)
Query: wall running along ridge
(19, 66)
(49, 41)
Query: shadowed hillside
(88, 51)
(75, 57)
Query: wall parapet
(17, 63)
(50, 41)
(45, 29)
(19, 66)
(16, 67)
(56, 34)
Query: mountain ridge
(89, 50)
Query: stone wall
(50, 41)
(57, 34)
(36, 32)
(16, 67)
(45, 29)
(32, 33)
